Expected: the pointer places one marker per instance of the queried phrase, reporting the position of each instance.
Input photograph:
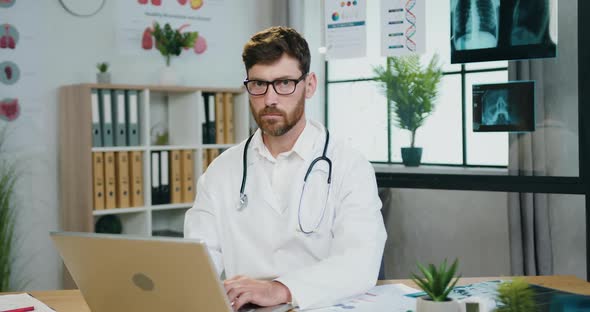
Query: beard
(282, 125)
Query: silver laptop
(126, 273)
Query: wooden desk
(72, 301)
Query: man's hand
(242, 290)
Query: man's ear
(311, 83)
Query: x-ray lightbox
(492, 30)
(508, 107)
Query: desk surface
(72, 301)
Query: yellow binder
(98, 180)
(228, 118)
(219, 121)
(205, 160)
(188, 172)
(109, 177)
(212, 154)
(176, 177)
(136, 178)
(122, 178)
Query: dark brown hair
(268, 46)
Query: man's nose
(271, 97)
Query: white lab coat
(340, 259)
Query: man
(310, 244)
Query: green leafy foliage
(8, 177)
(102, 67)
(516, 296)
(411, 89)
(171, 41)
(437, 282)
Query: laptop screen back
(122, 273)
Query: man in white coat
(307, 243)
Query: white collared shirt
(286, 164)
(340, 259)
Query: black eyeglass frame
(296, 81)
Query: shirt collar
(304, 146)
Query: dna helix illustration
(411, 30)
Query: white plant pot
(168, 76)
(424, 305)
(103, 77)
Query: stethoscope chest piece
(243, 201)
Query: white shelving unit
(178, 109)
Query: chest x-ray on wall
(489, 30)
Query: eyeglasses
(281, 86)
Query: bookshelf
(179, 110)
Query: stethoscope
(243, 203)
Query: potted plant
(515, 296)
(437, 283)
(170, 42)
(411, 90)
(103, 76)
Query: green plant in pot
(437, 283)
(103, 75)
(411, 90)
(516, 296)
(170, 42)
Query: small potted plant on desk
(437, 283)
(103, 76)
(516, 296)
(170, 42)
(411, 90)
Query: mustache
(271, 110)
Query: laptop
(127, 273)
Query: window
(357, 109)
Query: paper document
(11, 302)
(390, 298)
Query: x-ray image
(495, 110)
(475, 24)
(504, 107)
(490, 30)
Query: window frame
(463, 72)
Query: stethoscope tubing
(244, 197)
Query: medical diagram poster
(136, 20)
(346, 30)
(403, 27)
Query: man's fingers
(234, 293)
(242, 300)
(235, 278)
(232, 281)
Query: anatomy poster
(21, 110)
(346, 30)
(403, 27)
(136, 19)
(19, 61)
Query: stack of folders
(172, 178)
(115, 117)
(117, 179)
(218, 125)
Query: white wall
(67, 49)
